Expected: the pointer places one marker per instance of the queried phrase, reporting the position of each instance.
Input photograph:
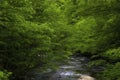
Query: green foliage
(4, 75)
(28, 41)
(112, 54)
(47, 32)
(110, 73)
(97, 31)
(84, 35)
(97, 63)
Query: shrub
(4, 75)
(112, 72)
(112, 54)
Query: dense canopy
(47, 32)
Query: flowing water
(75, 69)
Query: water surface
(73, 70)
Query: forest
(46, 33)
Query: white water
(75, 70)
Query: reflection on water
(74, 70)
(67, 73)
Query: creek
(74, 69)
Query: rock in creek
(86, 77)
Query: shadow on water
(76, 68)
